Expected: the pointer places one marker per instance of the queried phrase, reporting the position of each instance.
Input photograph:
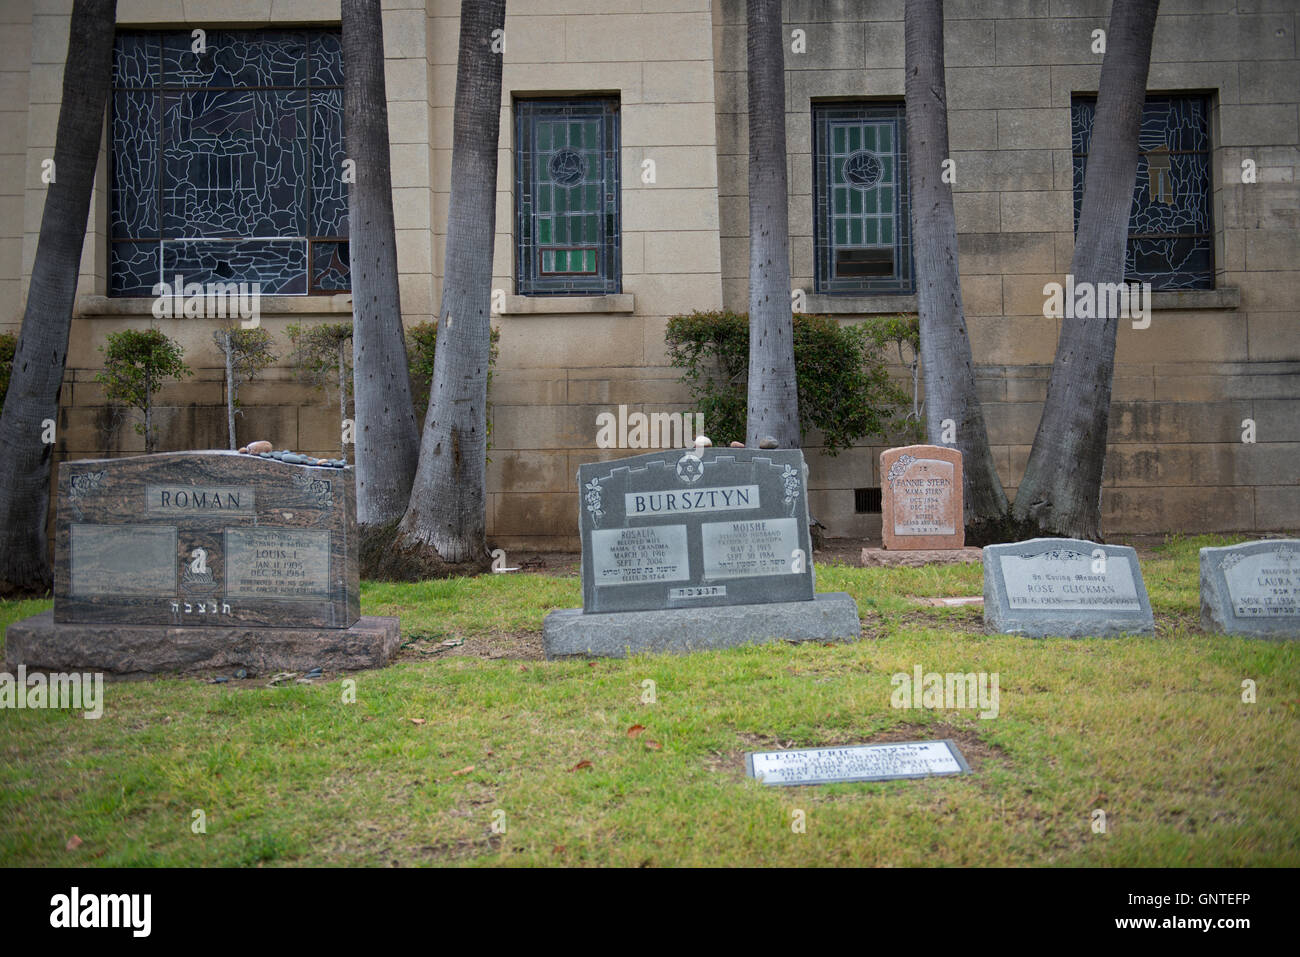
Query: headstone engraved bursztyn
(1065, 587)
(199, 560)
(921, 498)
(695, 550)
(1252, 589)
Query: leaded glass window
(227, 164)
(567, 197)
(1170, 232)
(860, 193)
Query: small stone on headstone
(767, 442)
(737, 445)
(259, 446)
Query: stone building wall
(1210, 359)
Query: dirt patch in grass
(520, 645)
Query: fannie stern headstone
(1252, 589)
(921, 498)
(706, 548)
(199, 560)
(1064, 587)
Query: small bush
(8, 346)
(844, 387)
(136, 363)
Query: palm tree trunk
(448, 510)
(343, 404)
(945, 343)
(1061, 490)
(773, 403)
(385, 436)
(42, 350)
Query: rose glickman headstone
(1064, 587)
(686, 550)
(921, 498)
(196, 560)
(1252, 589)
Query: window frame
(903, 280)
(1201, 280)
(156, 81)
(607, 278)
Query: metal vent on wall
(866, 501)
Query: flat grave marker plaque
(1064, 587)
(863, 762)
(1252, 589)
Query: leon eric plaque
(1066, 587)
(866, 762)
(1252, 588)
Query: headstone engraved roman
(1064, 587)
(193, 560)
(921, 498)
(868, 762)
(1252, 589)
(695, 549)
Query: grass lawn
(437, 747)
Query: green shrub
(8, 346)
(844, 387)
(136, 363)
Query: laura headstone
(1064, 587)
(709, 548)
(921, 498)
(1252, 589)
(199, 560)
(868, 762)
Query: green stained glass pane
(869, 200)
(544, 232)
(561, 261)
(887, 232)
(591, 136)
(841, 232)
(869, 235)
(837, 170)
(548, 261)
(886, 199)
(855, 201)
(855, 232)
(590, 260)
(593, 225)
(562, 229)
(855, 138)
(841, 200)
(869, 138)
(591, 197)
(575, 134)
(887, 169)
(544, 132)
(544, 199)
(561, 201)
(886, 139)
(837, 140)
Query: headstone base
(915, 558)
(124, 650)
(832, 616)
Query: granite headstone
(706, 548)
(191, 560)
(1064, 587)
(921, 498)
(1252, 589)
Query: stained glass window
(863, 220)
(227, 164)
(567, 197)
(1170, 232)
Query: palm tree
(1061, 490)
(448, 507)
(773, 406)
(33, 396)
(386, 435)
(945, 344)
